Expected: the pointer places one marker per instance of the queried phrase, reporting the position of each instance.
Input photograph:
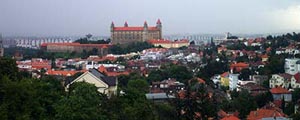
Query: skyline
(65, 18)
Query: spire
(145, 24)
(126, 24)
(158, 21)
(112, 24)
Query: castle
(126, 34)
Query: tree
(263, 98)
(139, 85)
(8, 68)
(82, 102)
(244, 103)
(245, 73)
(197, 103)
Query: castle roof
(133, 28)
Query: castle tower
(145, 32)
(112, 26)
(159, 27)
(126, 24)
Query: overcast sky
(79, 17)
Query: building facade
(1, 46)
(169, 44)
(126, 34)
(292, 66)
(102, 49)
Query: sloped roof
(297, 77)
(240, 64)
(109, 80)
(230, 117)
(265, 113)
(279, 90)
(286, 76)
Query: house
(63, 72)
(295, 81)
(280, 93)
(233, 81)
(168, 43)
(169, 86)
(237, 67)
(225, 79)
(259, 79)
(283, 80)
(106, 85)
(292, 66)
(230, 117)
(267, 114)
(159, 97)
(264, 58)
(153, 54)
(253, 88)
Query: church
(128, 34)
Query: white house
(292, 66)
(283, 80)
(105, 84)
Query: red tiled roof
(297, 77)
(240, 64)
(225, 74)
(279, 90)
(264, 56)
(264, 113)
(286, 76)
(62, 73)
(133, 28)
(201, 80)
(230, 117)
(159, 41)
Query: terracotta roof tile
(279, 90)
(264, 113)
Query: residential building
(237, 67)
(159, 97)
(153, 54)
(126, 34)
(283, 80)
(267, 114)
(169, 86)
(233, 81)
(259, 79)
(34, 64)
(168, 43)
(106, 85)
(225, 79)
(253, 88)
(63, 73)
(230, 117)
(280, 93)
(102, 49)
(292, 66)
(295, 81)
